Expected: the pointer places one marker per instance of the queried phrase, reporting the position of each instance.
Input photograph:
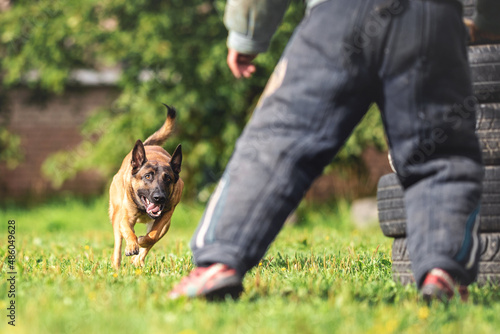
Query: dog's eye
(148, 176)
(167, 178)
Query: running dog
(145, 190)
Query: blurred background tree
(170, 52)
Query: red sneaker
(438, 285)
(215, 282)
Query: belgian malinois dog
(145, 190)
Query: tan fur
(126, 204)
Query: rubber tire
(391, 210)
(485, 72)
(488, 132)
(390, 204)
(489, 262)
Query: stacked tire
(485, 69)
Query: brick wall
(354, 182)
(45, 126)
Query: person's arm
(251, 25)
(485, 25)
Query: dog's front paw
(132, 249)
(141, 240)
(145, 241)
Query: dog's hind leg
(117, 252)
(155, 231)
(138, 260)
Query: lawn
(320, 276)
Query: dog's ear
(176, 160)
(138, 156)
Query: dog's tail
(159, 137)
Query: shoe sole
(220, 294)
(433, 292)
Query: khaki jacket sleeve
(252, 23)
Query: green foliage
(10, 143)
(323, 276)
(179, 45)
(10, 151)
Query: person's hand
(240, 64)
(478, 36)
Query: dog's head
(153, 182)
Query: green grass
(322, 276)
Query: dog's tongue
(153, 208)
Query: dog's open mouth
(152, 209)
